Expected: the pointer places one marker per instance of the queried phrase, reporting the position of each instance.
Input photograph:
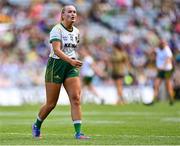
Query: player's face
(162, 44)
(70, 14)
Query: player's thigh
(73, 86)
(168, 83)
(52, 92)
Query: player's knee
(76, 100)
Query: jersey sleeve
(55, 34)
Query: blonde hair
(62, 12)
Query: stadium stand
(136, 24)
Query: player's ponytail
(62, 12)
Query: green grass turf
(132, 124)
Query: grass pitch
(133, 124)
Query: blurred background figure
(88, 71)
(120, 68)
(164, 64)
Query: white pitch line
(171, 119)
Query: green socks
(38, 123)
(77, 126)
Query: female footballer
(63, 68)
(164, 66)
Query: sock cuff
(39, 118)
(77, 122)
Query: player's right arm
(55, 40)
(56, 47)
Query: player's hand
(76, 63)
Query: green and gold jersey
(69, 40)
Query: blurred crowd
(137, 25)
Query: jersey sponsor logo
(70, 45)
(68, 50)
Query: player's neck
(67, 26)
